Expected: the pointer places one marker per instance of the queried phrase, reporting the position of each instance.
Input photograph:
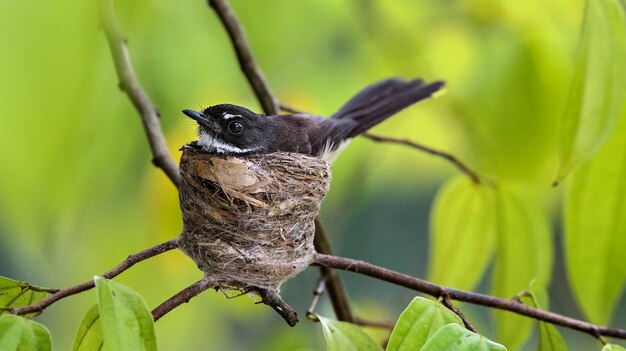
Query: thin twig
(451, 158)
(161, 157)
(336, 291)
(272, 299)
(130, 84)
(317, 293)
(524, 293)
(28, 286)
(445, 299)
(385, 139)
(182, 296)
(72, 290)
(244, 55)
(436, 290)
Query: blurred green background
(78, 192)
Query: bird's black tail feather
(379, 101)
(366, 109)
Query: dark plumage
(235, 130)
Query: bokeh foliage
(78, 193)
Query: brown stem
(384, 139)
(448, 303)
(271, 107)
(129, 83)
(436, 290)
(149, 114)
(317, 293)
(244, 55)
(72, 290)
(272, 299)
(336, 291)
(28, 286)
(455, 161)
(182, 296)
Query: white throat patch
(211, 144)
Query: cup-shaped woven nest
(249, 221)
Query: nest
(249, 221)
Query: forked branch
(72, 290)
(436, 290)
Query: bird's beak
(197, 116)
(209, 124)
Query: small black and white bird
(234, 130)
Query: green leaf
(89, 334)
(342, 336)
(613, 347)
(595, 229)
(524, 253)
(14, 293)
(421, 319)
(21, 334)
(125, 319)
(463, 233)
(454, 337)
(549, 337)
(598, 90)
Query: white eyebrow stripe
(229, 116)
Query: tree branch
(128, 262)
(183, 296)
(451, 158)
(244, 55)
(445, 299)
(317, 293)
(436, 290)
(130, 84)
(384, 139)
(161, 157)
(336, 291)
(272, 299)
(271, 106)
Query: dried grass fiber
(249, 221)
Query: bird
(233, 130)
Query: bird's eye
(235, 127)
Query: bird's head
(231, 130)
